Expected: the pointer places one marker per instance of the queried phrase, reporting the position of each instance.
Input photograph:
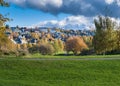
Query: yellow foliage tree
(3, 37)
(35, 35)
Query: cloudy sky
(59, 13)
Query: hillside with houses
(23, 35)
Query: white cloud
(118, 2)
(71, 22)
(37, 3)
(113, 1)
(44, 3)
(109, 1)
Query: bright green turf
(59, 73)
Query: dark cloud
(74, 7)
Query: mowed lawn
(59, 73)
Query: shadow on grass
(65, 55)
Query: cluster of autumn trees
(73, 44)
(46, 47)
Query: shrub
(21, 52)
(46, 49)
(87, 52)
(113, 52)
(7, 52)
(33, 50)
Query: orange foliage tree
(75, 44)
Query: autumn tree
(18, 46)
(46, 49)
(2, 18)
(44, 40)
(35, 35)
(75, 44)
(105, 35)
(61, 44)
(29, 45)
(3, 38)
(56, 46)
(24, 46)
(11, 48)
(5, 43)
(88, 40)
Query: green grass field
(14, 72)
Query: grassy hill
(15, 72)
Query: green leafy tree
(105, 35)
(118, 39)
(61, 44)
(88, 41)
(56, 46)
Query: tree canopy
(105, 35)
(75, 44)
(2, 18)
(3, 3)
